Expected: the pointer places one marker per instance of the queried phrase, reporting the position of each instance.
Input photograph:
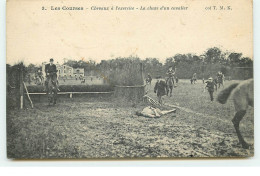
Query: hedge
(73, 88)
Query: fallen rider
(153, 111)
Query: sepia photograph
(118, 79)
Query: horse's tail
(224, 94)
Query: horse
(215, 80)
(243, 96)
(170, 84)
(193, 80)
(52, 92)
(220, 81)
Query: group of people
(161, 85)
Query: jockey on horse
(194, 78)
(39, 77)
(171, 73)
(220, 76)
(149, 79)
(51, 73)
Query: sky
(35, 35)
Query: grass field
(91, 127)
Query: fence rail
(71, 93)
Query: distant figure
(210, 85)
(91, 78)
(148, 79)
(177, 79)
(194, 78)
(160, 88)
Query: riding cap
(51, 60)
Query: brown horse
(243, 96)
(52, 92)
(170, 84)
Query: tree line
(233, 65)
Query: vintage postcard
(121, 79)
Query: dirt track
(81, 128)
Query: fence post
(142, 71)
(21, 86)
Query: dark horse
(52, 91)
(170, 84)
(243, 96)
(215, 80)
(220, 80)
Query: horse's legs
(171, 91)
(236, 120)
(54, 96)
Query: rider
(170, 72)
(210, 84)
(220, 76)
(39, 74)
(194, 77)
(51, 73)
(149, 77)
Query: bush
(128, 72)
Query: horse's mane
(224, 94)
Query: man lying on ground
(153, 110)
